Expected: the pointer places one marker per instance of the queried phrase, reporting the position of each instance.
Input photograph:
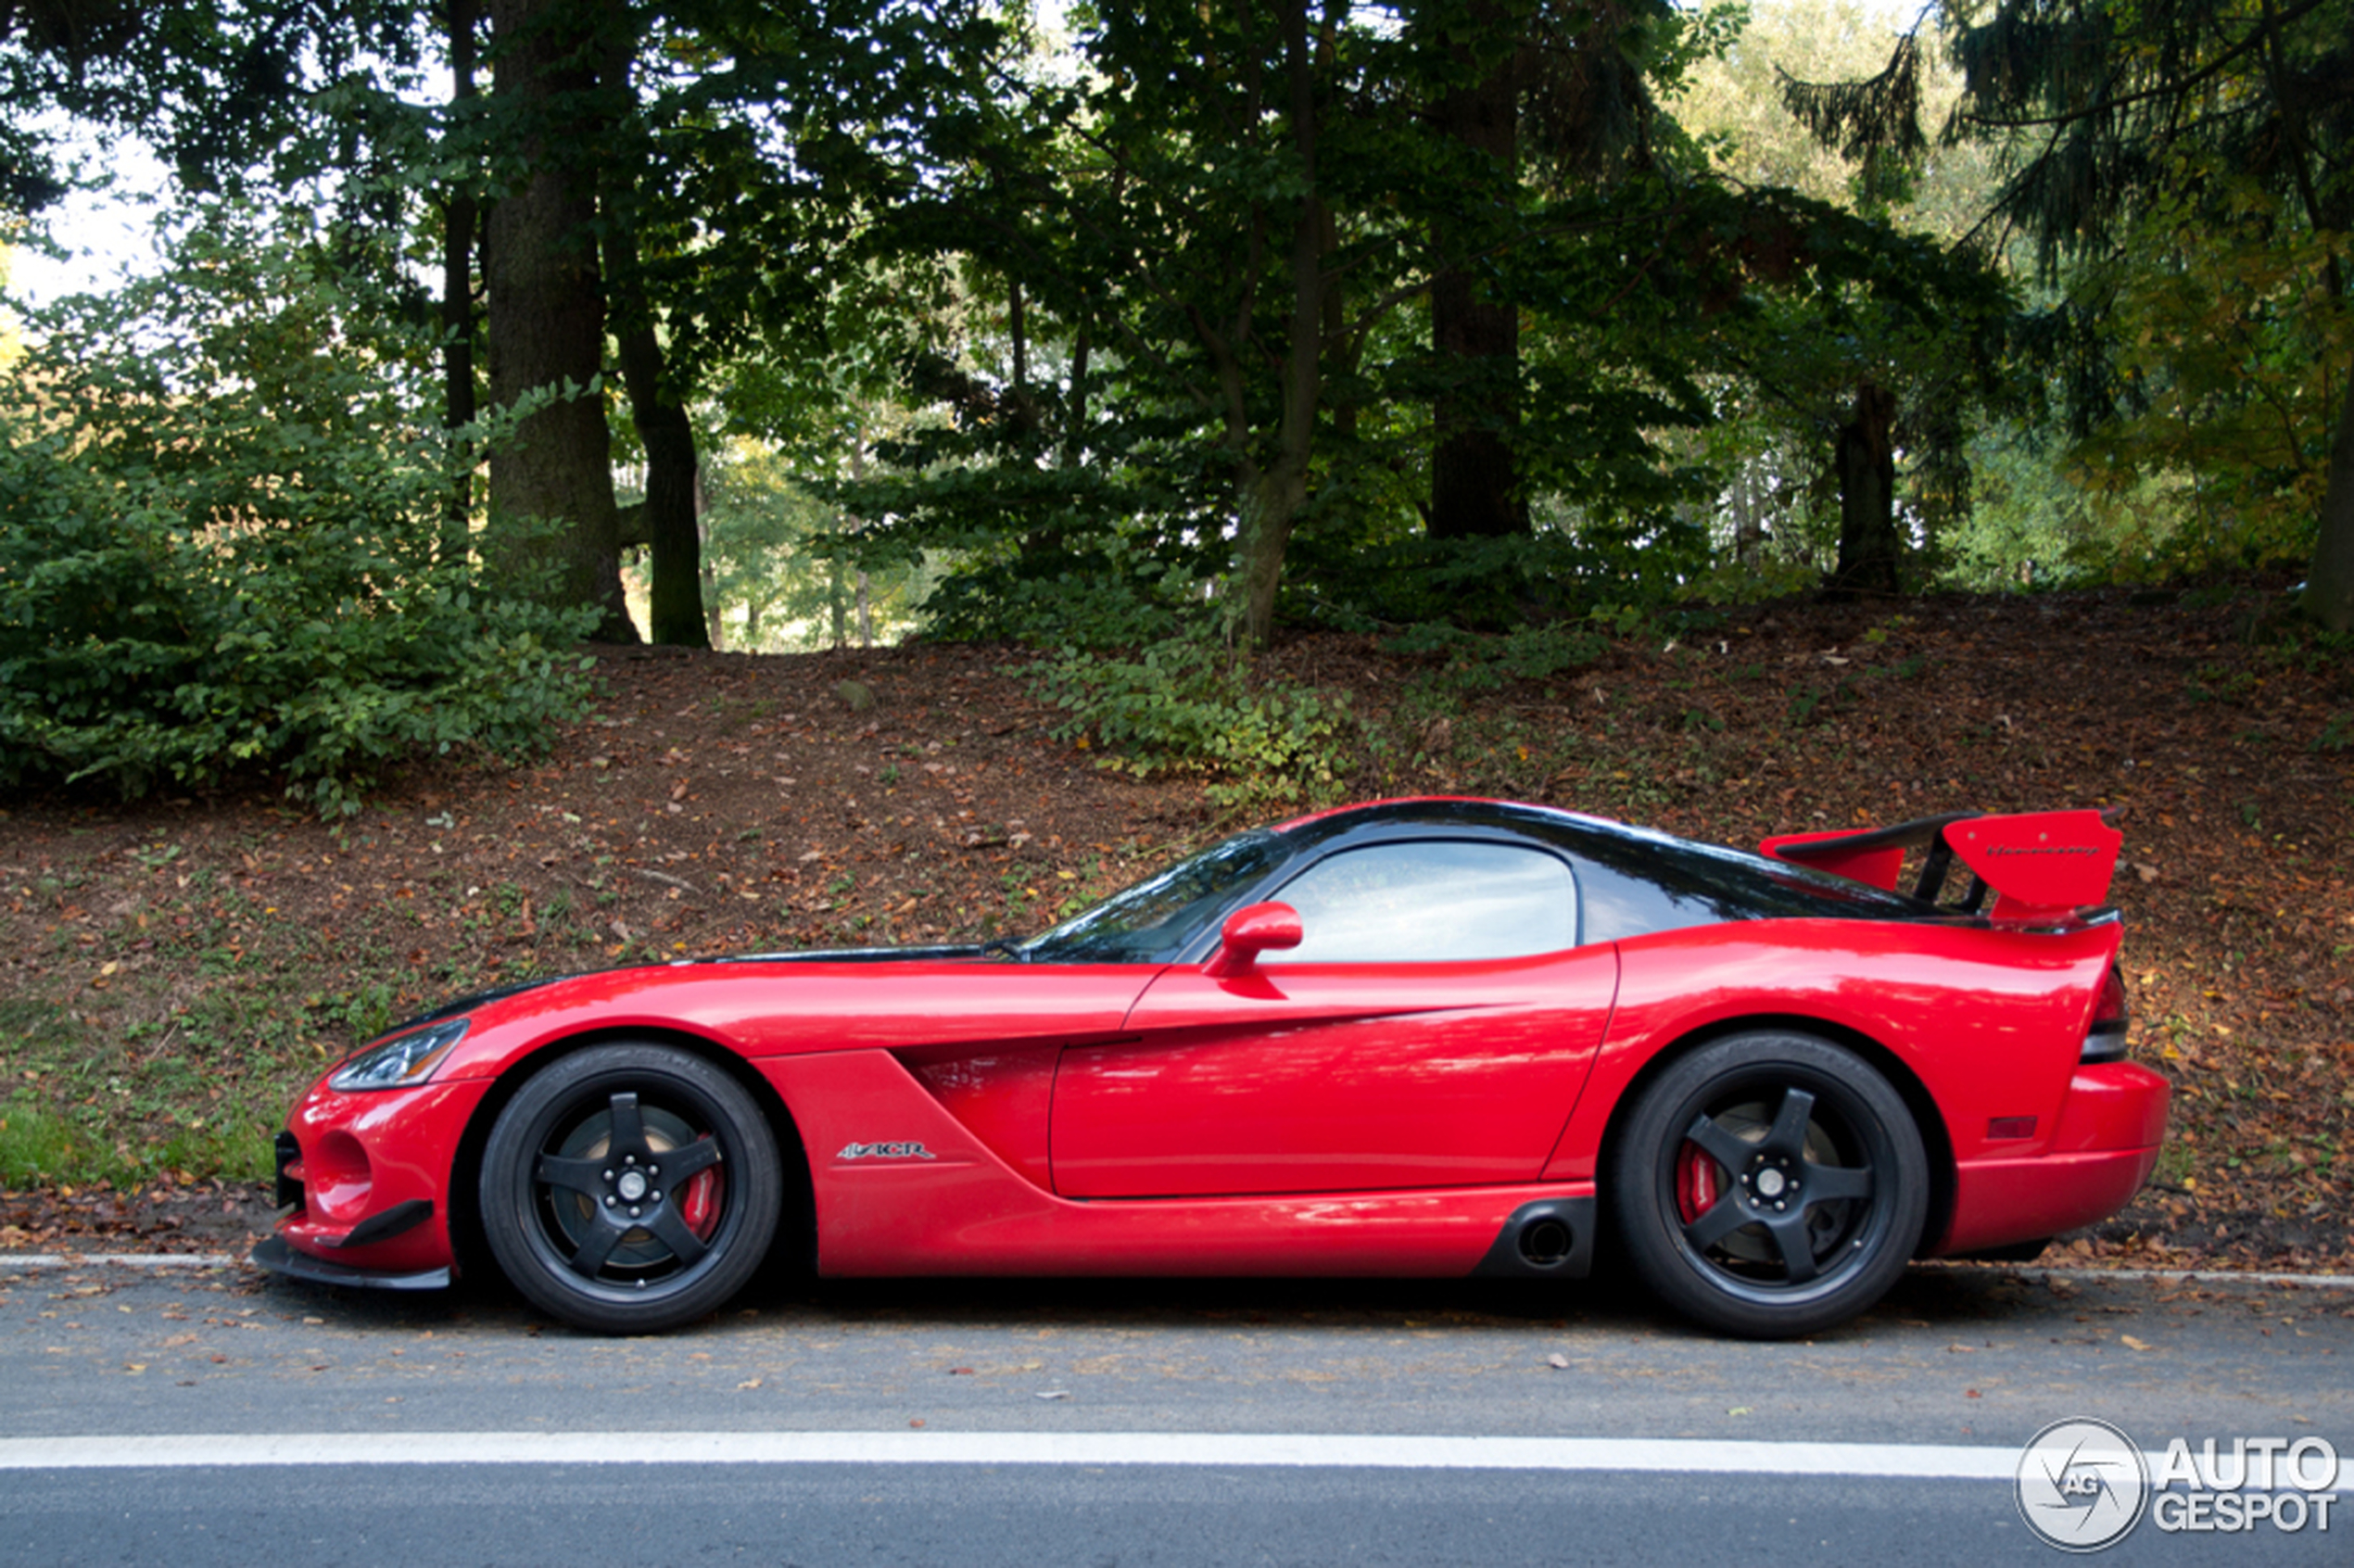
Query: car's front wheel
(630, 1188)
(1770, 1185)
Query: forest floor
(173, 973)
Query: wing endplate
(1879, 867)
(2040, 863)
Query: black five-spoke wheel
(1770, 1185)
(629, 1188)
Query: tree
(1558, 88)
(547, 315)
(2115, 118)
(1231, 225)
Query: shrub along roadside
(223, 548)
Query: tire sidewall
(1652, 1229)
(510, 1219)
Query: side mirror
(1249, 931)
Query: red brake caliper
(698, 1202)
(1696, 1190)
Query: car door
(1433, 1029)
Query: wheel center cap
(632, 1185)
(1769, 1182)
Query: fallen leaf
(1558, 1361)
(2132, 1343)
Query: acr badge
(884, 1151)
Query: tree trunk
(1273, 497)
(459, 214)
(1869, 550)
(674, 542)
(2329, 584)
(711, 605)
(1474, 480)
(1749, 521)
(547, 319)
(1075, 417)
(675, 613)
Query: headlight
(401, 1062)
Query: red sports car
(1433, 1037)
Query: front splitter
(279, 1259)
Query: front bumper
(365, 1179)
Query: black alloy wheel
(1770, 1185)
(630, 1188)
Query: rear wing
(2037, 864)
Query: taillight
(2105, 1042)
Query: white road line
(1338, 1452)
(1010, 1448)
(2155, 1276)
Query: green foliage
(224, 545)
(1186, 704)
(1496, 584)
(1476, 662)
(1119, 591)
(2229, 350)
(782, 567)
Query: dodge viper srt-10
(1434, 1037)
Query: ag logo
(2081, 1484)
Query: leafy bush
(1186, 704)
(1489, 584)
(223, 546)
(1488, 661)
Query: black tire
(1770, 1185)
(630, 1188)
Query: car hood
(932, 953)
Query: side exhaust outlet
(1551, 1239)
(1546, 1242)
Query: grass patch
(39, 1149)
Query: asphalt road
(1230, 1421)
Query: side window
(1431, 902)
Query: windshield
(1149, 923)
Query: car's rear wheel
(630, 1188)
(1770, 1185)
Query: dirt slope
(169, 973)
